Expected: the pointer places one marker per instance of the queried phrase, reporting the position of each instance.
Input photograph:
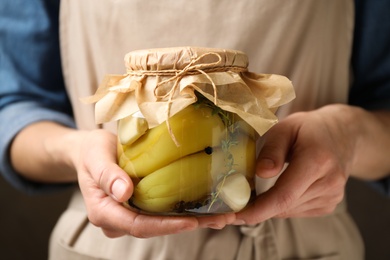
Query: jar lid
(179, 58)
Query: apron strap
(258, 242)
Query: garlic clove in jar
(235, 191)
(131, 128)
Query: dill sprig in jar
(188, 122)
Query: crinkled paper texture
(254, 97)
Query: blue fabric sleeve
(31, 83)
(371, 55)
(371, 62)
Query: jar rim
(179, 58)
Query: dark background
(26, 221)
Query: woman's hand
(322, 148)
(105, 186)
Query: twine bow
(191, 68)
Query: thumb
(100, 163)
(274, 152)
(116, 183)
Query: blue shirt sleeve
(371, 61)
(371, 55)
(31, 83)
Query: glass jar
(205, 165)
(188, 122)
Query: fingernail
(215, 226)
(238, 222)
(118, 188)
(266, 163)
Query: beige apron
(280, 37)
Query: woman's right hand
(105, 186)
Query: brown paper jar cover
(161, 82)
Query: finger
(312, 212)
(284, 195)
(144, 226)
(267, 205)
(318, 200)
(316, 206)
(115, 219)
(110, 178)
(216, 221)
(100, 163)
(115, 182)
(111, 233)
(274, 152)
